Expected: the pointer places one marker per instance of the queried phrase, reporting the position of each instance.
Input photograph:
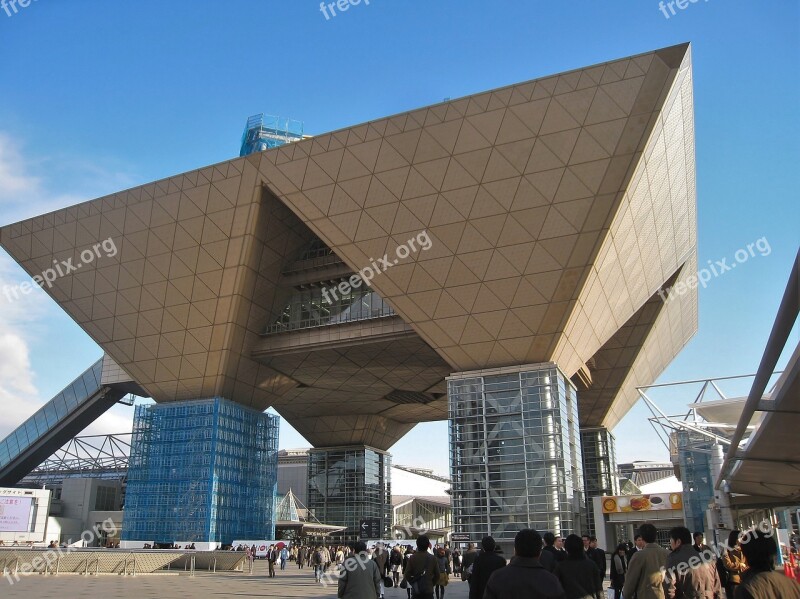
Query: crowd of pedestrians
(551, 567)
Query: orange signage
(642, 503)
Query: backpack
(318, 557)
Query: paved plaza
(229, 585)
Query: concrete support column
(722, 498)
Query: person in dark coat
(525, 577)
(698, 544)
(619, 565)
(422, 564)
(578, 574)
(484, 566)
(406, 556)
(548, 560)
(550, 541)
(598, 555)
(467, 560)
(637, 547)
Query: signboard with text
(369, 528)
(15, 513)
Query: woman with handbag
(734, 563)
(444, 573)
(395, 561)
(406, 556)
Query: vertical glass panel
(30, 430)
(90, 385)
(60, 406)
(69, 397)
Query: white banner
(261, 546)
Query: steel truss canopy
(561, 216)
(90, 456)
(769, 463)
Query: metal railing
(24, 561)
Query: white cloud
(17, 391)
(26, 184)
(18, 395)
(15, 183)
(34, 183)
(19, 320)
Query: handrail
(122, 562)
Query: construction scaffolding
(201, 471)
(264, 132)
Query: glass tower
(201, 471)
(694, 460)
(599, 467)
(346, 484)
(515, 456)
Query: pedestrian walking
(444, 573)
(422, 572)
(645, 575)
(484, 566)
(359, 577)
(578, 574)
(525, 577)
(395, 563)
(467, 560)
(733, 561)
(761, 580)
(272, 557)
(619, 566)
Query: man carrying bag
(422, 572)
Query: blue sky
(96, 96)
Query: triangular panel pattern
(519, 199)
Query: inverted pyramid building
(555, 222)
